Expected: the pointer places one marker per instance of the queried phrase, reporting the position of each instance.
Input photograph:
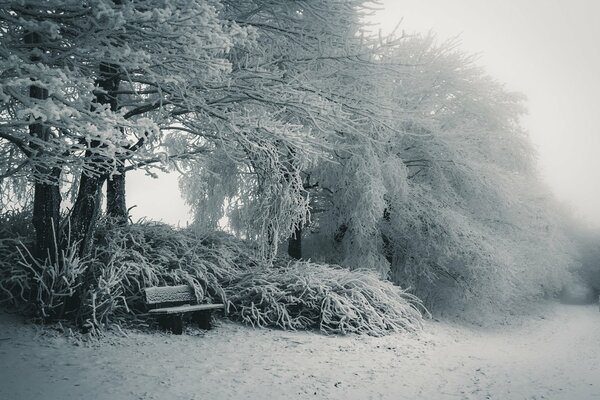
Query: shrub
(305, 295)
(129, 258)
(106, 289)
(15, 230)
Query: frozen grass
(15, 231)
(146, 254)
(304, 295)
(105, 289)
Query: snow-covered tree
(447, 200)
(88, 87)
(397, 155)
(299, 85)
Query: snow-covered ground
(553, 354)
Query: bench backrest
(170, 294)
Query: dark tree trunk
(387, 244)
(46, 216)
(116, 206)
(295, 244)
(46, 198)
(86, 209)
(85, 212)
(340, 233)
(115, 186)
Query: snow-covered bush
(131, 258)
(106, 288)
(48, 289)
(15, 229)
(334, 300)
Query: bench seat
(175, 302)
(186, 308)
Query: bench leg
(203, 319)
(173, 323)
(177, 324)
(164, 322)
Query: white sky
(547, 49)
(156, 200)
(550, 51)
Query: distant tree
(447, 200)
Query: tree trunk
(46, 197)
(116, 206)
(86, 209)
(387, 244)
(85, 212)
(340, 233)
(46, 216)
(295, 244)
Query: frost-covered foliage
(106, 288)
(447, 201)
(147, 254)
(162, 54)
(301, 82)
(50, 289)
(89, 90)
(334, 300)
(587, 244)
(396, 155)
(248, 88)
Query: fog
(545, 49)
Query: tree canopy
(395, 154)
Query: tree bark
(46, 198)
(116, 205)
(86, 209)
(46, 216)
(387, 243)
(295, 244)
(85, 212)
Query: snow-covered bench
(173, 302)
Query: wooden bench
(173, 302)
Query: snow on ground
(554, 354)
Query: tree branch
(17, 142)
(155, 160)
(13, 171)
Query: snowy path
(555, 355)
